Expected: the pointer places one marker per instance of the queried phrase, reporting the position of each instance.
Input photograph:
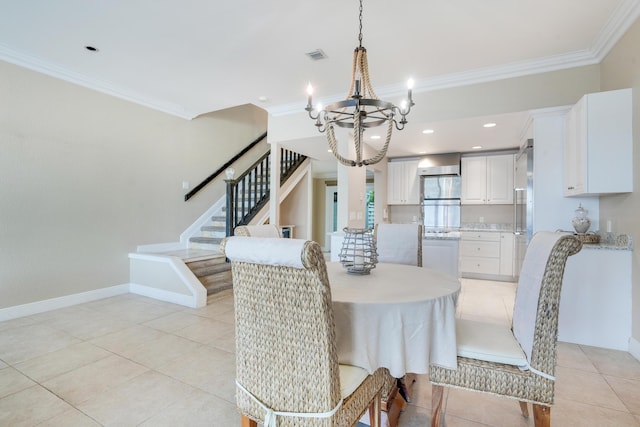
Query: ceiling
(192, 57)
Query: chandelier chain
(360, 17)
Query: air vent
(317, 55)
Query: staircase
(214, 273)
(246, 196)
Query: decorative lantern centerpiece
(358, 254)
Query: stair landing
(209, 266)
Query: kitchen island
(440, 251)
(595, 304)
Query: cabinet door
(574, 150)
(506, 254)
(500, 179)
(403, 183)
(474, 180)
(598, 145)
(395, 186)
(412, 194)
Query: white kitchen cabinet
(403, 183)
(598, 145)
(480, 252)
(488, 253)
(487, 180)
(506, 254)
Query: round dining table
(398, 317)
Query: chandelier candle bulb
(310, 93)
(410, 86)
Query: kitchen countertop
(448, 235)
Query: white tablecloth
(398, 317)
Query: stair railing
(224, 167)
(250, 192)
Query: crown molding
(625, 14)
(39, 65)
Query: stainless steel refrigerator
(523, 203)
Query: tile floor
(131, 360)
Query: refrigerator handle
(517, 227)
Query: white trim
(204, 219)
(162, 295)
(40, 65)
(634, 348)
(61, 302)
(616, 26)
(198, 297)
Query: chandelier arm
(383, 151)
(333, 144)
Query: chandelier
(359, 111)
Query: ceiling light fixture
(489, 125)
(428, 131)
(360, 110)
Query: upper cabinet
(598, 145)
(487, 180)
(403, 183)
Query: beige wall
(86, 177)
(295, 209)
(621, 69)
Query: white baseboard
(61, 302)
(634, 348)
(162, 295)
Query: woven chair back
(264, 230)
(545, 337)
(285, 340)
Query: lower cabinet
(487, 253)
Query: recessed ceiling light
(329, 151)
(375, 136)
(422, 152)
(91, 48)
(428, 131)
(263, 99)
(488, 125)
(476, 147)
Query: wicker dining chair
(262, 230)
(286, 357)
(520, 362)
(399, 243)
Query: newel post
(231, 208)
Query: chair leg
(541, 416)
(374, 410)
(247, 422)
(437, 395)
(524, 408)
